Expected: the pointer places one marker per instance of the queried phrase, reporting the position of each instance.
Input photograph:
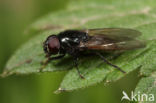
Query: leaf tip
(59, 90)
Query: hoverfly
(75, 42)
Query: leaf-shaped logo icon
(125, 96)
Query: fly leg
(106, 61)
(74, 52)
(44, 63)
(76, 65)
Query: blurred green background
(15, 17)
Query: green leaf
(99, 71)
(147, 85)
(139, 15)
(29, 57)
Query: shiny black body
(70, 40)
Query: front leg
(44, 63)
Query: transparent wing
(114, 33)
(112, 39)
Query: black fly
(74, 42)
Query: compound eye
(53, 45)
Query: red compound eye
(53, 44)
